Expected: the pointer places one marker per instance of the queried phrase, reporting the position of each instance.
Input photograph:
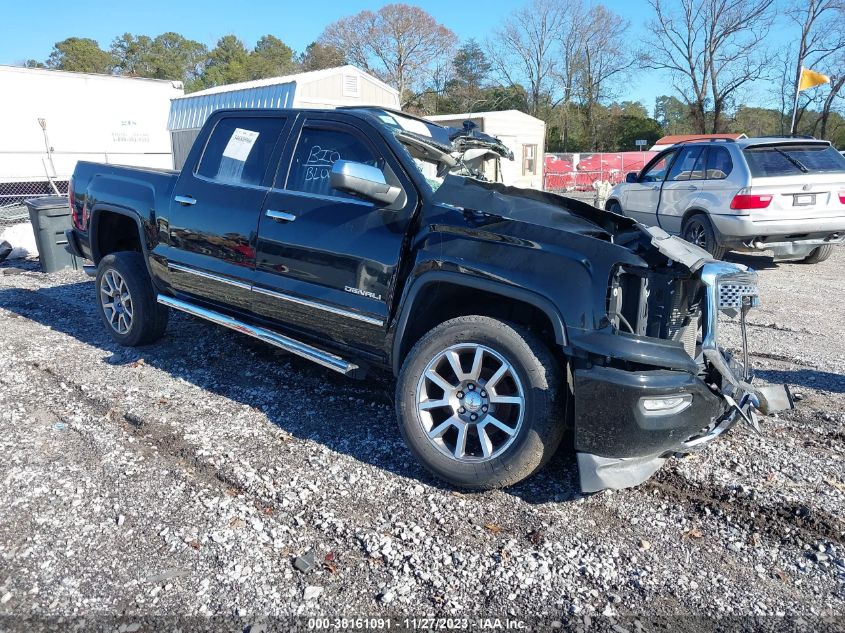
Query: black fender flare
(476, 283)
(93, 223)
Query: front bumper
(619, 444)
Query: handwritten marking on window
(319, 163)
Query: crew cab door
(643, 197)
(215, 208)
(326, 260)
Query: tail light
(842, 197)
(743, 201)
(74, 216)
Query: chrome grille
(732, 294)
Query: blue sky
(31, 28)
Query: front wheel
(478, 402)
(698, 230)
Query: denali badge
(363, 293)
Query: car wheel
(818, 254)
(478, 402)
(127, 300)
(615, 207)
(698, 230)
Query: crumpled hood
(530, 205)
(561, 213)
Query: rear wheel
(127, 300)
(615, 207)
(818, 254)
(698, 230)
(478, 402)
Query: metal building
(341, 86)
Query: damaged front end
(678, 389)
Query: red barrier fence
(578, 172)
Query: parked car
(366, 241)
(786, 195)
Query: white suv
(786, 195)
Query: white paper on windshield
(240, 145)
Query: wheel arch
(434, 289)
(98, 212)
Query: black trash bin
(50, 216)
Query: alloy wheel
(117, 301)
(470, 403)
(697, 235)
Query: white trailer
(524, 134)
(51, 119)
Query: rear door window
(239, 150)
(719, 163)
(793, 160)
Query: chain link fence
(12, 196)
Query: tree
(133, 55)
(167, 56)
(33, 63)
(271, 57)
(228, 62)
(320, 56)
(465, 91)
(713, 49)
(82, 55)
(603, 59)
(400, 43)
(821, 37)
(524, 49)
(673, 115)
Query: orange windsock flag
(811, 79)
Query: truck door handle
(186, 200)
(281, 216)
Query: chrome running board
(268, 336)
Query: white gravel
(184, 479)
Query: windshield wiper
(792, 160)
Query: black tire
(615, 207)
(698, 230)
(147, 318)
(539, 375)
(819, 254)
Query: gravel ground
(192, 479)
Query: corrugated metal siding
(183, 141)
(191, 112)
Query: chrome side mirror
(365, 180)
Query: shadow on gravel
(808, 378)
(351, 417)
(757, 262)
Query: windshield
(439, 151)
(791, 159)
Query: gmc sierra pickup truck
(368, 240)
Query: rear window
(239, 149)
(793, 160)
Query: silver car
(786, 195)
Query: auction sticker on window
(240, 145)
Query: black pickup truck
(368, 240)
